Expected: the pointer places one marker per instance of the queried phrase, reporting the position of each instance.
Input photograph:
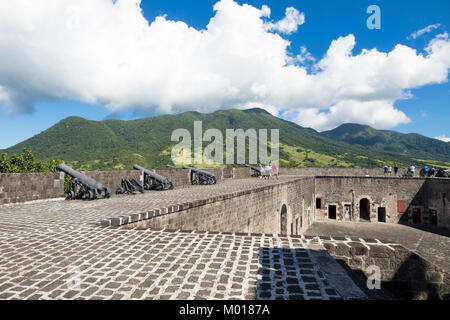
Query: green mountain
(412, 144)
(118, 144)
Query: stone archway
(283, 219)
(364, 209)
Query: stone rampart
(21, 187)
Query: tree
(26, 162)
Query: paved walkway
(69, 213)
(432, 244)
(58, 250)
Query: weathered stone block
(358, 249)
(380, 251)
(342, 250)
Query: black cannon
(201, 177)
(153, 181)
(256, 171)
(82, 186)
(443, 173)
(129, 186)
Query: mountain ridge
(118, 144)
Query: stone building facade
(383, 199)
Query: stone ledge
(141, 216)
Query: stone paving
(149, 264)
(58, 250)
(68, 213)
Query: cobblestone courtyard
(58, 250)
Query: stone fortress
(243, 238)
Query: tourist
(275, 170)
(425, 171)
(385, 169)
(412, 170)
(389, 170)
(267, 171)
(432, 171)
(347, 213)
(396, 170)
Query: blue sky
(325, 21)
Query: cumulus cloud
(380, 114)
(421, 32)
(289, 23)
(105, 52)
(443, 138)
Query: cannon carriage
(200, 176)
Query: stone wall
(20, 187)
(113, 179)
(257, 210)
(179, 177)
(405, 273)
(377, 172)
(390, 200)
(438, 196)
(242, 173)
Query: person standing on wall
(412, 170)
(396, 170)
(432, 171)
(275, 169)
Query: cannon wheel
(90, 195)
(171, 186)
(70, 195)
(120, 190)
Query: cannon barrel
(257, 172)
(157, 182)
(80, 176)
(154, 175)
(82, 186)
(251, 167)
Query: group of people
(426, 171)
(270, 169)
(388, 170)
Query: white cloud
(443, 138)
(421, 32)
(97, 51)
(380, 114)
(304, 55)
(289, 23)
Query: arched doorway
(364, 209)
(283, 220)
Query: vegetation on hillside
(391, 141)
(118, 144)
